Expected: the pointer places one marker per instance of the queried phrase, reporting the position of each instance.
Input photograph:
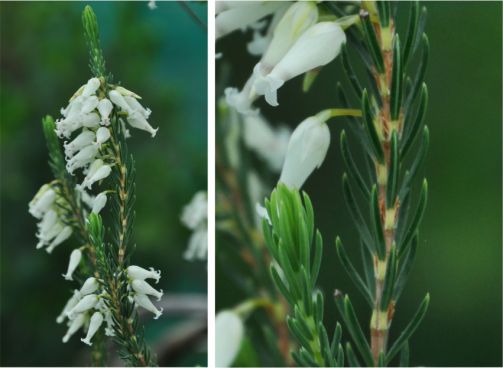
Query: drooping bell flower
(102, 135)
(89, 286)
(74, 326)
(316, 47)
(99, 202)
(75, 258)
(105, 107)
(72, 302)
(60, 238)
(143, 301)
(42, 201)
(142, 287)
(139, 273)
(94, 325)
(86, 303)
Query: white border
(211, 183)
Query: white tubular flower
(142, 287)
(72, 302)
(84, 139)
(86, 303)
(229, 333)
(299, 17)
(137, 120)
(75, 324)
(42, 201)
(105, 107)
(242, 100)
(198, 245)
(99, 202)
(46, 237)
(138, 273)
(143, 301)
(94, 325)
(89, 286)
(91, 120)
(258, 45)
(126, 92)
(48, 221)
(98, 175)
(109, 330)
(91, 87)
(270, 144)
(102, 135)
(75, 258)
(89, 104)
(119, 101)
(306, 151)
(136, 106)
(62, 236)
(238, 17)
(81, 159)
(196, 211)
(317, 46)
(151, 5)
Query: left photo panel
(103, 119)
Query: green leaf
(368, 267)
(409, 330)
(416, 125)
(406, 263)
(389, 280)
(353, 79)
(394, 171)
(280, 285)
(352, 168)
(372, 43)
(418, 161)
(356, 332)
(298, 333)
(418, 80)
(355, 212)
(371, 129)
(404, 355)
(375, 214)
(381, 362)
(396, 80)
(318, 253)
(350, 354)
(411, 31)
(384, 11)
(336, 339)
(351, 271)
(416, 220)
(91, 33)
(340, 356)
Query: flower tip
(86, 341)
(67, 277)
(158, 314)
(154, 132)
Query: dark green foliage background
(460, 251)
(161, 55)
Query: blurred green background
(459, 258)
(162, 55)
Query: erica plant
(94, 175)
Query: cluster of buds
(294, 43)
(48, 206)
(195, 217)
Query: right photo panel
(358, 183)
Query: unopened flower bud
(42, 201)
(306, 151)
(138, 121)
(89, 286)
(102, 135)
(119, 100)
(99, 202)
(229, 333)
(91, 87)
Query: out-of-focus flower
(229, 332)
(195, 217)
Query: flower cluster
(195, 217)
(87, 309)
(293, 44)
(48, 206)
